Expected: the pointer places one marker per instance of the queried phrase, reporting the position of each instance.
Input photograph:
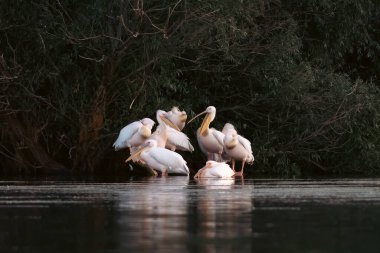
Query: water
(177, 214)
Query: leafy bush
(299, 79)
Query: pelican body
(134, 134)
(214, 169)
(237, 148)
(210, 140)
(161, 159)
(160, 135)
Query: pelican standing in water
(134, 134)
(237, 148)
(160, 159)
(215, 170)
(168, 135)
(177, 117)
(210, 140)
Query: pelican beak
(169, 123)
(201, 170)
(205, 124)
(137, 153)
(183, 117)
(196, 116)
(231, 144)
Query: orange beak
(196, 116)
(138, 152)
(169, 123)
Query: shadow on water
(177, 214)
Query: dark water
(176, 214)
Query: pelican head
(232, 132)
(201, 171)
(147, 145)
(147, 122)
(227, 127)
(182, 114)
(230, 140)
(210, 116)
(162, 118)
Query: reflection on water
(193, 215)
(168, 214)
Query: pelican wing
(222, 171)
(179, 139)
(165, 157)
(214, 172)
(169, 159)
(126, 134)
(219, 136)
(246, 143)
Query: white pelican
(160, 159)
(134, 134)
(167, 134)
(177, 117)
(210, 140)
(237, 148)
(216, 170)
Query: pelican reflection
(186, 212)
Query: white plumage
(160, 135)
(172, 138)
(237, 147)
(161, 159)
(178, 140)
(134, 134)
(227, 127)
(214, 169)
(210, 140)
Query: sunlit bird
(134, 134)
(210, 140)
(167, 134)
(177, 117)
(160, 159)
(237, 148)
(214, 169)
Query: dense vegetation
(300, 79)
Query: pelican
(177, 117)
(160, 159)
(168, 135)
(237, 148)
(216, 170)
(210, 140)
(134, 134)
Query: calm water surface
(178, 214)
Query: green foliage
(297, 78)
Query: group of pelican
(157, 150)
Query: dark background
(299, 79)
